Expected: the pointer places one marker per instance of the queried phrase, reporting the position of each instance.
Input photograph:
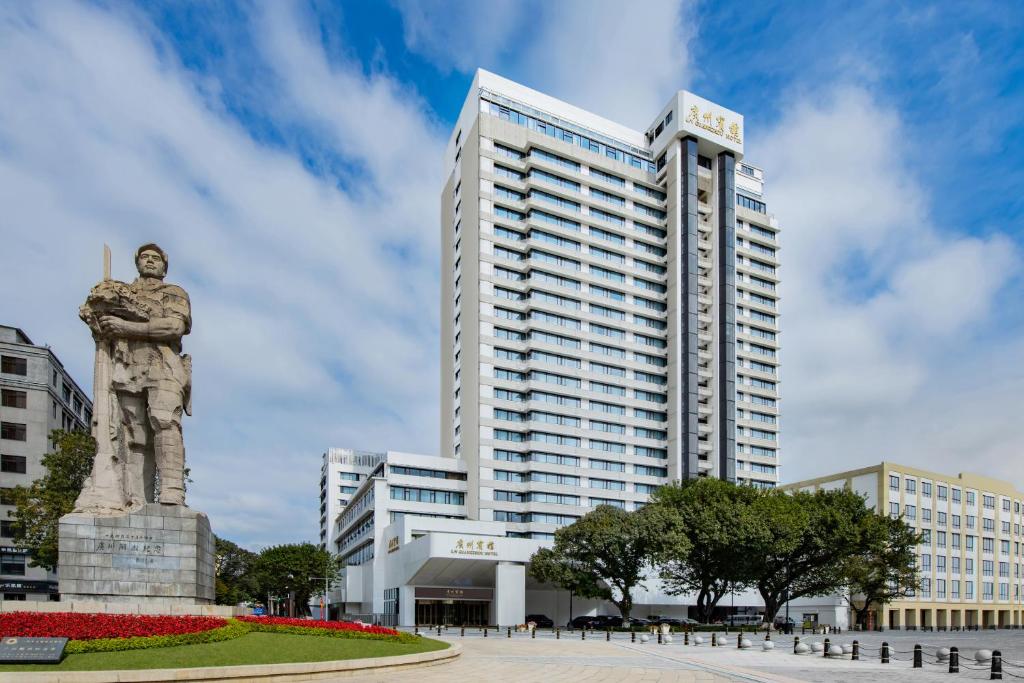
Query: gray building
(38, 397)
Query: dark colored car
(541, 620)
(606, 621)
(670, 621)
(640, 622)
(581, 622)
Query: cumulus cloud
(315, 307)
(892, 348)
(623, 62)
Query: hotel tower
(610, 315)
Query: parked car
(640, 622)
(744, 620)
(541, 620)
(581, 622)
(671, 621)
(781, 621)
(606, 621)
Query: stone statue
(142, 385)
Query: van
(744, 620)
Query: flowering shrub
(334, 629)
(113, 632)
(233, 629)
(95, 626)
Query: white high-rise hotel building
(610, 315)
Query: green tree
(884, 569)
(40, 505)
(604, 554)
(236, 579)
(714, 521)
(801, 542)
(282, 569)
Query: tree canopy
(885, 567)
(298, 567)
(715, 521)
(235, 579)
(605, 554)
(40, 505)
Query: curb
(298, 671)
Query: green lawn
(252, 648)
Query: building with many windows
(39, 396)
(970, 558)
(610, 314)
(610, 323)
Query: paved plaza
(520, 658)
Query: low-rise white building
(412, 556)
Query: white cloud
(622, 62)
(463, 34)
(315, 308)
(892, 348)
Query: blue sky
(288, 156)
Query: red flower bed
(311, 623)
(93, 626)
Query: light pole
(324, 607)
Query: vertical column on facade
(688, 318)
(726, 316)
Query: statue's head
(151, 261)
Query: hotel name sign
(394, 544)
(474, 547)
(711, 122)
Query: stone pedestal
(161, 555)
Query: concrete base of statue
(159, 555)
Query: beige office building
(970, 557)
(610, 317)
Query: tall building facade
(341, 471)
(39, 396)
(610, 314)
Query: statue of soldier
(142, 324)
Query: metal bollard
(856, 651)
(558, 634)
(826, 648)
(917, 657)
(954, 660)
(997, 666)
(583, 634)
(659, 637)
(632, 636)
(739, 639)
(509, 632)
(796, 641)
(767, 635)
(462, 632)
(885, 652)
(686, 637)
(608, 634)
(438, 630)
(533, 633)
(714, 640)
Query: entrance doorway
(453, 612)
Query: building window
(15, 464)
(894, 482)
(14, 365)
(13, 431)
(11, 563)
(14, 399)
(911, 485)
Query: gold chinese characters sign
(393, 544)
(714, 124)
(474, 547)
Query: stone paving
(520, 658)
